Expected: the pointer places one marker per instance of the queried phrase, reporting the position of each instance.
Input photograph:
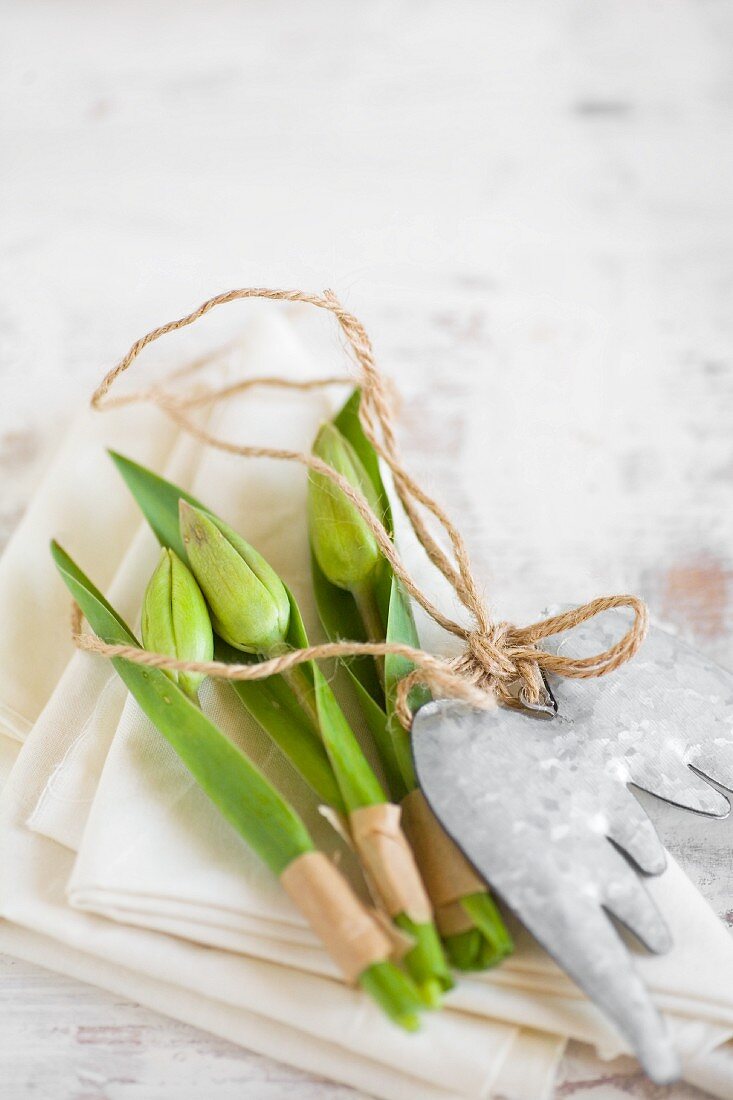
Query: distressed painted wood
(529, 206)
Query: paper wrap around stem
(349, 932)
(447, 874)
(386, 855)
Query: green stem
(426, 962)
(301, 686)
(394, 993)
(365, 599)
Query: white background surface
(529, 205)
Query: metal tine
(626, 898)
(620, 890)
(591, 951)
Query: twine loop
(498, 657)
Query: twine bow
(496, 655)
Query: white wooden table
(530, 207)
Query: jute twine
(496, 655)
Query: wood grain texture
(529, 205)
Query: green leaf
(158, 501)
(272, 705)
(358, 784)
(401, 628)
(239, 790)
(340, 619)
(356, 780)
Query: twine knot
(497, 660)
(488, 654)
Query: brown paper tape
(388, 861)
(446, 872)
(351, 935)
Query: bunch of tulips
(213, 595)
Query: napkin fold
(34, 643)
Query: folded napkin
(155, 853)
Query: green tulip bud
(248, 602)
(344, 546)
(175, 620)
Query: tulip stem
(301, 686)
(368, 608)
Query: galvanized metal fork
(541, 806)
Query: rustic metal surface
(658, 721)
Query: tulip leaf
(357, 781)
(158, 501)
(340, 619)
(237, 788)
(395, 605)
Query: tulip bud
(248, 602)
(175, 620)
(343, 544)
